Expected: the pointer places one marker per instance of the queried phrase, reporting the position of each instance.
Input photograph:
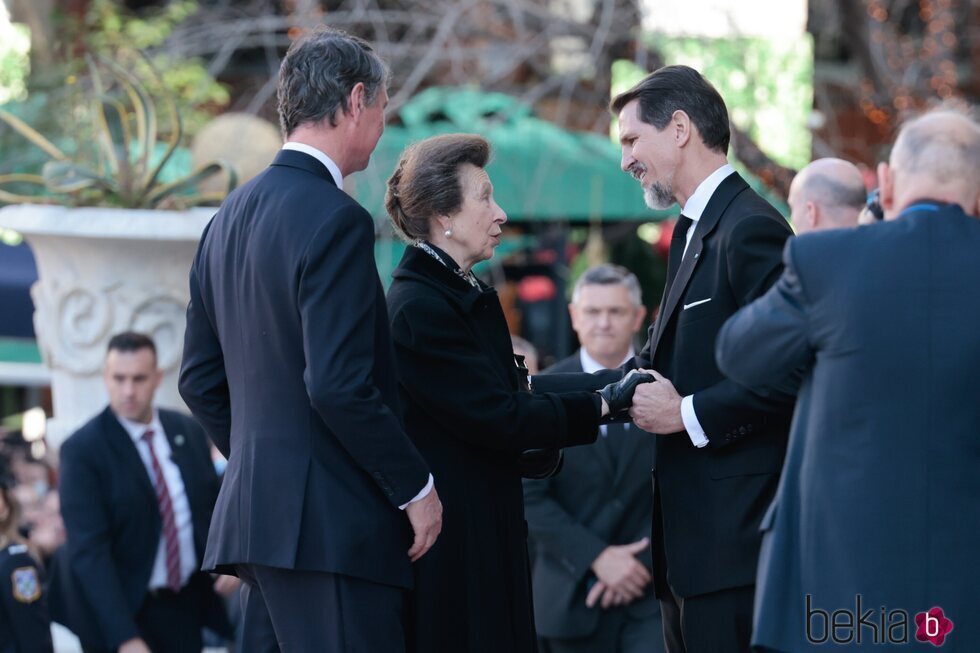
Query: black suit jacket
(880, 492)
(112, 521)
(288, 364)
(600, 498)
(709, 502)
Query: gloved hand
(619, 395)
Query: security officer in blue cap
(24, 623)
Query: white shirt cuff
(421, 495)
(691, 423)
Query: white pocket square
(700, 301)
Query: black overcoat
(465, 413)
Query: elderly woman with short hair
(463, 403)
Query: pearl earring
(449, 232)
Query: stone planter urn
(102, 271)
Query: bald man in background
(876, 510)
(826, 194)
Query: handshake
(619, 395)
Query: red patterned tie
(170, 544)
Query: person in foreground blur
(463, 405)
(879, 494)
(288, 364)
(826, 194)
(24, 623)
(719, 445)
(137, 489)
(591, 523)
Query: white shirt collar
(698, 200)
(590, 365)
(319, 156)
(136, 430)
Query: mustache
(636, 170)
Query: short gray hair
(945, 153)
(318, 73)
(833, 194)
(608, 274)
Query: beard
(659, 196)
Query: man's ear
(357, 99)
(641, 312)
(812, 215)
(680, 123)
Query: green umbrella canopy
(539, 171)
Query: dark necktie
(170, 544)
(677, 243)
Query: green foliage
(117, 159)
(15, 43)
(109, 29)
(767, 85)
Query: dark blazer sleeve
(203, 384)
(450, 376)
(768, 339)
(29, 621)
(339, 309)
(575, 381)
(554, 529)
(754, 263)
(87, 519)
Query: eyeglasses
(873, 204)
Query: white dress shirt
(319, 156)
(339, 180)
(591, 365)
(693, 209)
(178, 498)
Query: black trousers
(171, 622)
(719, 622)
(618, 632)
(297, 611)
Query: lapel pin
(179, 440)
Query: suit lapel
(178, 450)
(125, 448)
(729, 188)
(603, 454)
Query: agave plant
(126, 135)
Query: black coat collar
(419, 266)
(302, 161)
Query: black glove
(619, 395)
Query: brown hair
(9, 523)
(426, 181)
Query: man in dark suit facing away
(878, 501)
(719, 445)
(593, 569)
(137, 489)
(288, 365)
